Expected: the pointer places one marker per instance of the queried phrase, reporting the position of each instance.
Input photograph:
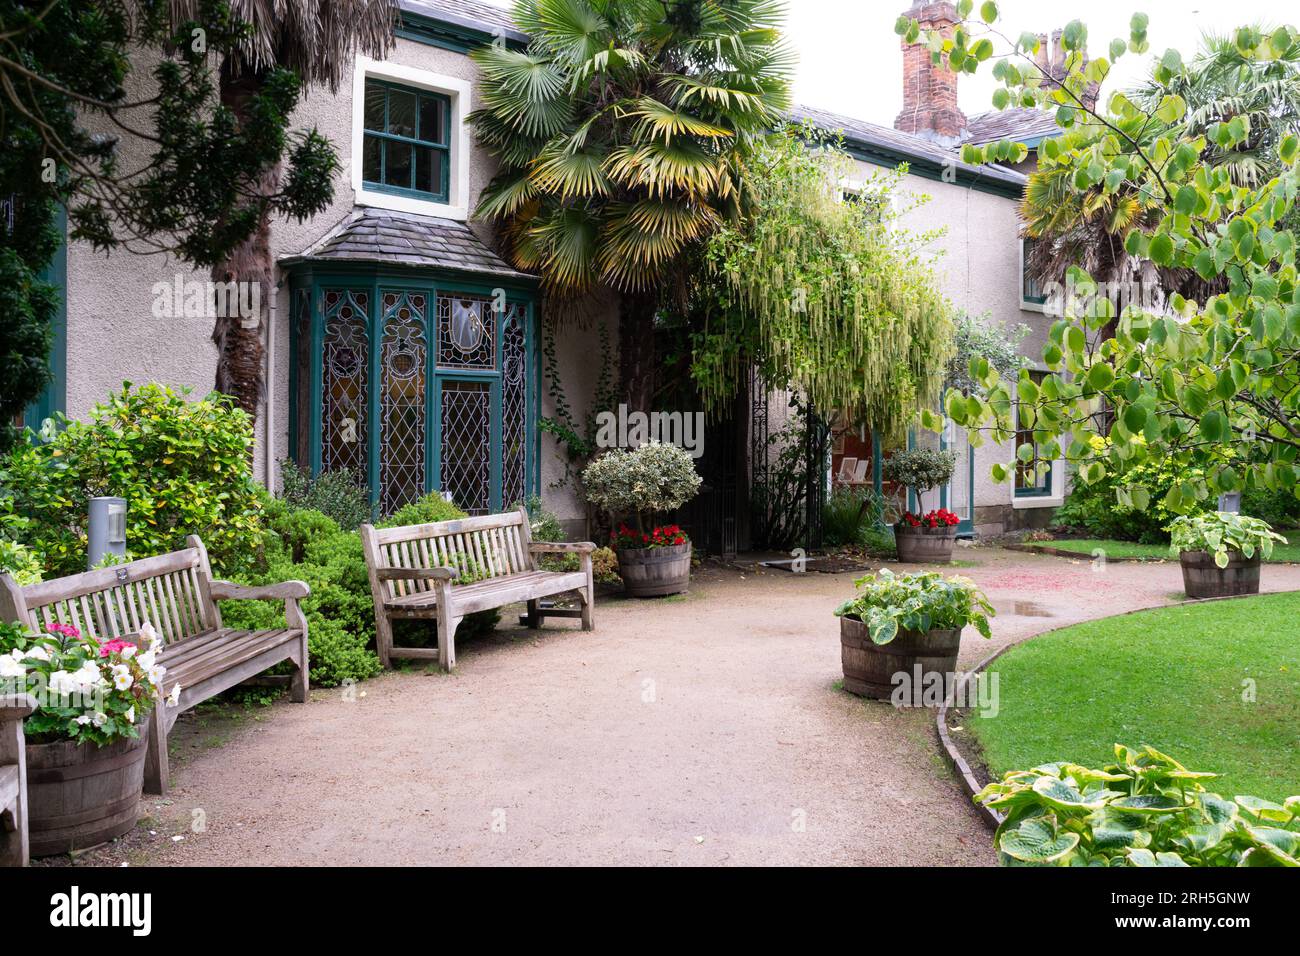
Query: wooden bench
(13, 779)
(445, 570)
(177, 595)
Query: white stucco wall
(113, 337)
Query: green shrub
(333, 493)
(1279, 508)
(183, 467)
(849, 513)
(432, 507)
(20, 561)
(1094, 510)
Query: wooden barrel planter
(654, 572)
(869, 668)
(80, 795)
(1202, 578)
(924, 545)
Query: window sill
(424, 207)
(1020, 502)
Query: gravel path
(699, 730)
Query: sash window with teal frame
(53, 398)
(1031, 482)
(415, 383)
(966, 526)
(406, 145)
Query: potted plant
(1220, 552)
(906, 624)
(85, 751)
(652, 479)
(924, 537)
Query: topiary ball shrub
(645, 481)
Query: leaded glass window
(402, 425)
(514, 408)
(466, 443)
(345, 377)
(466, 326)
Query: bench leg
(384, 638)
(588, 595)
(299, 683)
(13, 843)
(447, 639)
(534, 615)
(156, 769)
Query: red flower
(114, 647)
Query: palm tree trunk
(240, 353)
(636, 348)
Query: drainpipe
(268, 419)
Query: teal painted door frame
(55, 396)
(316, 279)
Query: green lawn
(1173, 678)
(1282, 553)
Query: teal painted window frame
(417, 141)
(54, 398)
(307, 383)
(1038, 298)
(1042, 490)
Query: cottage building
(402, 347)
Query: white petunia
(11, 666)
(130, 715)
(128, 652)
(63, 684)
(84, 719)
(122, 681)
(174, 697)
(37, 652)
(156, 675)
(146, 659)
(100, 718)
(147, 635)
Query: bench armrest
(416, 574)
(563, 547)
(285, 590)
(16, 706)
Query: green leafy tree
(1212, 383)
(76, 102)
(623, 134)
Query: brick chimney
(930, 92)
(1050, 59)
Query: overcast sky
(850, 61)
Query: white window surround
(1057, 477)
(455, 89)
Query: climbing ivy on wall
(824, 291)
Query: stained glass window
(467, 443)
(466, 326)
(402, 425)
(345, 376)
(514, 408)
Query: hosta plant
(923, 601)
(1221, 532)
(1146, 809)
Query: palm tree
(317, 40)
(622, 135)
(1220, 83)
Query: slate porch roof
(467, 13)
(1028, 126)
(368, 234)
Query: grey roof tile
(1020, 124)
(368, 234)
